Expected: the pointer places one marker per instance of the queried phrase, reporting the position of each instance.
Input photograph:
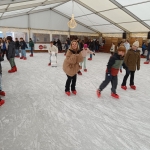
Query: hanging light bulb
(72, 23)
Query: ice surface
(38, 115)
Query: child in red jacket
(113, 67)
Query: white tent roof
(104, 16)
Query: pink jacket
(85, 52)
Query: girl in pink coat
(84, 52)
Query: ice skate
(49, 64)
(133, 87)
(85, 70)
(1, 102)
(98, 92)
(147, 62)
(89, 58)
(79, 73)
(68, 93)
(25, 58)
(115, 95)
(21, 57)
(124, 87)
(2, 93)
(120, 70)
(74, 92)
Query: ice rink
(38, 115)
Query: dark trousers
(131, 73)
(114, 83)
(31, 50)
(148, 54)
(73, 84)
(4, 51)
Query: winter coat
(53, 49)
(114, 64)
(11, 50)
(144, 47)
(17, 45)
(148, 47)
(132, 60)
(85, 52)
(92, 46)
(23, 45)
(71, 63)
(31, 44)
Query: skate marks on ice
(39, 116)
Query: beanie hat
(122, 48)
(136, 43)
(85, 46)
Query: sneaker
(115, 95)
(2, 102)
(85, 70)
(98, 93)
(2, 93)
(133, 87)
(74, 92)
(124, 87)
(68, 93)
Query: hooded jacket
(11, 49)
(71, 63)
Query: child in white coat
(51, 49)
(84, 52)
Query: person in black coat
(92, 48)
(11, 54)
(17, 45)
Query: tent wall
(19, 22)
(46, 20)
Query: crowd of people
(12, 49)
(76, 52)
(130, 62)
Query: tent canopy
(104, 16)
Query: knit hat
(85, 46)
(136, 43)
(122, 48)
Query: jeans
(23, 53)
(17, 52)
(148, 54)
(68, 82)
(12, 62)
(131, 73)
(51, 56)
(84, 62)
(31, 50)
(91, 54)
(114, 83)
(0, 82)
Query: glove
(72, 51)
(94, 54)
(109, 76)
(79, 51)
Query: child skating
(112, 70)
(84, 52)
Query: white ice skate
(53, 60)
